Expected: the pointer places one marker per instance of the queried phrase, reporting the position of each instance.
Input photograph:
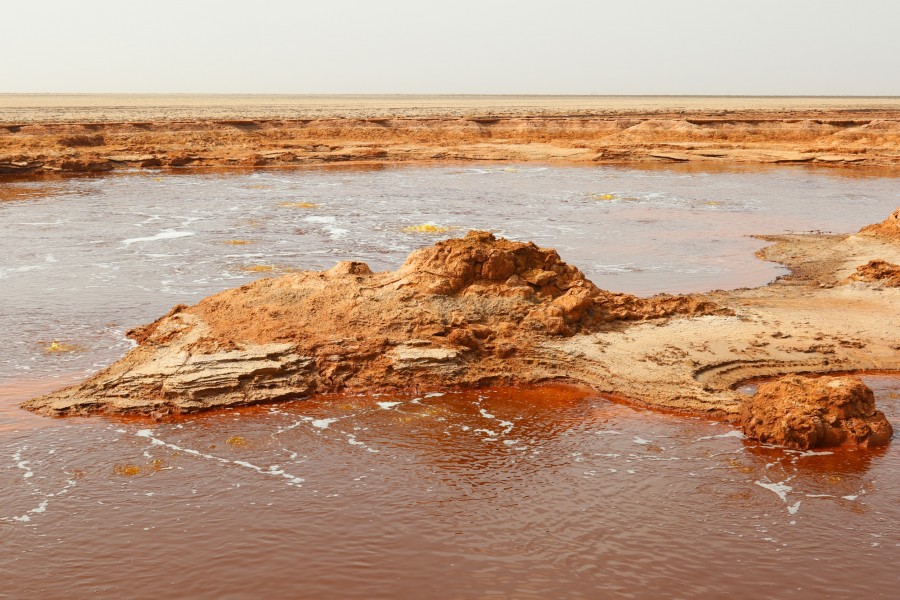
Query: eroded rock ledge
(480, 310)
(464, 312)
(33, 141)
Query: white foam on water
(4, 273)
(388, 405)
(336, 233)
(23, 464)
(489, 432)
(45, 502)
(486, 414)
(272, 471)
(166, 234)
(351, 439)
(323, 423)
(434, 394)
(318, 219)
(780, 489)
(815, 453)
(640, 440)
(851, 497)
(793, 508)
(41, 223)
(731, 434)
(293, 425)
(608, 432)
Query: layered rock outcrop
(89, 139)
(482, 311)
(463, 312)
(812, 412)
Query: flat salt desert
(134, 107)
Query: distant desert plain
(45, 134)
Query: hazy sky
(798, 47)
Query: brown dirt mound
(889, 228)
(878, 271)
(808, 412)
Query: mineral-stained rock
(889, 228)
(463, 312)
(130, 157)
(181, 160)
(86, 166)
(809, 412)
(878, 271)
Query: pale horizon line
(447, 95)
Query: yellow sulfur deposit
(258, 268)
(60, 347)
(426, 228)
(298, 204)
(604, 197)
(238, 242)
(126, 470)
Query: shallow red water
(494, 494)
(501, 493)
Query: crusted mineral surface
(810, 412)
(464, 312)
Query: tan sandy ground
(479, 311)
(49, 134)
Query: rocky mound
(878, 271)
(889, 228)
(809, 412)
(464, 312)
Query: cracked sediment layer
(38, 136)
(480, 311)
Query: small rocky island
(480, 310)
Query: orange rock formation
(806, 412)
(42, 144)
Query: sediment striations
(479, 310)
(464, 312)
(806, 412)
(39, 143)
